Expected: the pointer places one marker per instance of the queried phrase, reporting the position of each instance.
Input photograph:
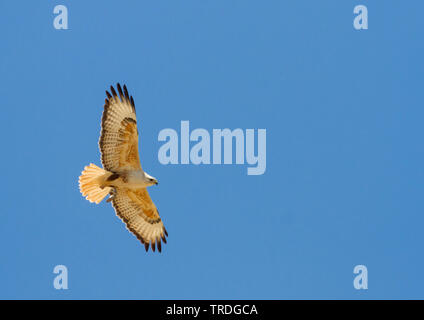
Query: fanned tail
(90, 182)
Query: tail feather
(90, 182)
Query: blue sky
(343, 111)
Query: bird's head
(151, 180)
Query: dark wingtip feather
(112, 89)
(166, 232)
(108, 94)
(159, 245)
(121, 94)
(153, 246)
(126, 92)
(146, 246)
(163, 238)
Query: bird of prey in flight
(122, 176)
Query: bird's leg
(112, 194)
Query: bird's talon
(111, 195)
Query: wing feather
(119, 135)
(139, 213)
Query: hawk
(122, 176)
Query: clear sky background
(343, 110)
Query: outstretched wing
(119, 135)
(137, 210)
